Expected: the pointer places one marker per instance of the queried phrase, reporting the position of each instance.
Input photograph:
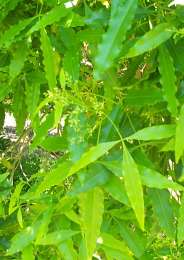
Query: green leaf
(25, 237)
(9, 36)
(92, 155)
(67, 250)
(163, 210)
(149, 177)
(153, 133)
(54, 177)
(179, 142)
(134, 239)
(19, 107)
(115, 187)
(48, 60)
(71, 64)
(151, 40)
(19, 57)
(54, 143)
(120, 23)
(4, 90)
(132, 179)
(15, 198)
(42, 130)
(91, 210)
(6, 7)
(3, 176)
(180, 226)
(110, 241)
(43, 228)
(57, 237)
(143, 97)
(50, 17)
(154, 179)
(27, 253)
(32, 97)
(168, 79)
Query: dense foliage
(97, 90)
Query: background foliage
(97, 91)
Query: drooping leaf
(17, 62)
(92, 155)
(180, 226)
(163, 211)
(134, 239)
(179, 142)
(151, 40)
(91, 210)
(71, 64)
(120, 22)
(132, 179)
(153, 133)
(19, 107)
(168, 79)
(48, 59)
(32, 97)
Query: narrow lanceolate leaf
(19, 107)
(168, 79)
(9, 36)
(179, 141)
(151, 40)
(48, 59)
(92, 155)
(15, 198)
(149, 178)
(163, 210)
(180, 227)
(54, 177)
(71, 64)
(121, 18)
(143, 97)
(32, 94)
(110, 241)
(153, 133)
(49, 18)
(91, 209)
(133, 186)
(17, 62)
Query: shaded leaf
(48, 60)
(163, 211)
(168, 79)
